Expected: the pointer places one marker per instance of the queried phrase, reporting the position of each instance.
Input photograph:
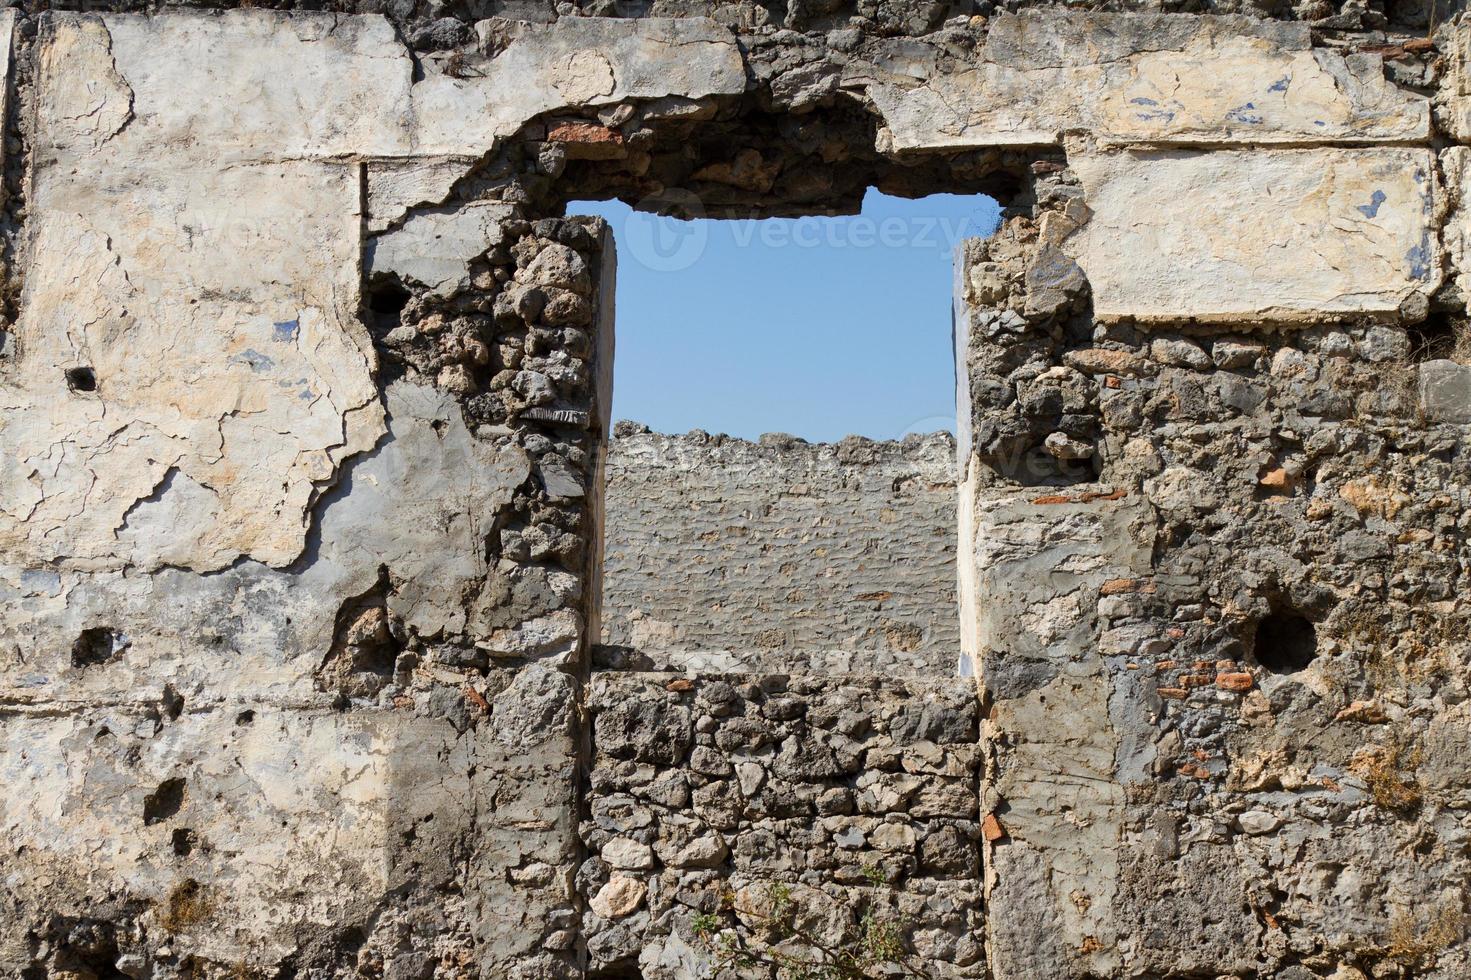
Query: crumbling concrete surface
(304, 393)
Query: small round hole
(81, 379)
(1285, 642)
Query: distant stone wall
(722, 553)
(859, 794)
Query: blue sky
(819, 327)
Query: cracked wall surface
(304, 393)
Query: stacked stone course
(782, 555)
(859, 792)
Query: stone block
(1257, 236)
(1445, 391)
(265, 85)
(435, 246)
(1137, 78)
(259, 84)
(578, 61)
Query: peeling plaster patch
(396, 186)
(435, 247)
(585, 76)
(168, 284)
(98, 103)
(418, 504)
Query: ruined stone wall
(858, 793)
(730, 554)
(1216, 612)
(303, 394)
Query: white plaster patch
(1233, 235)
(1132, 78)
(214, 314)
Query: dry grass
(1448, 340)
(1410, 942)
(188, 905)
(1389, 771)
(1396, 383)
(1395, 656)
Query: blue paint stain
(1159, 115)
(1245, 114)
(1371, 210)
(1280, 85)
(1319, 122)
(256, 361)
(1142, 101)
(41, 582)
(285, 332)
(1419, 259)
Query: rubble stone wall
(859, 793)
(722, 551)
(1216, 612)
(304, 383)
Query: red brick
(991, 828)
(587, 140)
(1235, 681)
(476, 698)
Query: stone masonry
(730, 554)
(304, 440)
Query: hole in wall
(97, 645)
(164, 802)
(183, 841)
(386, 299)
(791, 334)
(1047, 465)
(81, 379)
(1285, 643)
(172, 703)
(1442, 335)
(617, 971)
